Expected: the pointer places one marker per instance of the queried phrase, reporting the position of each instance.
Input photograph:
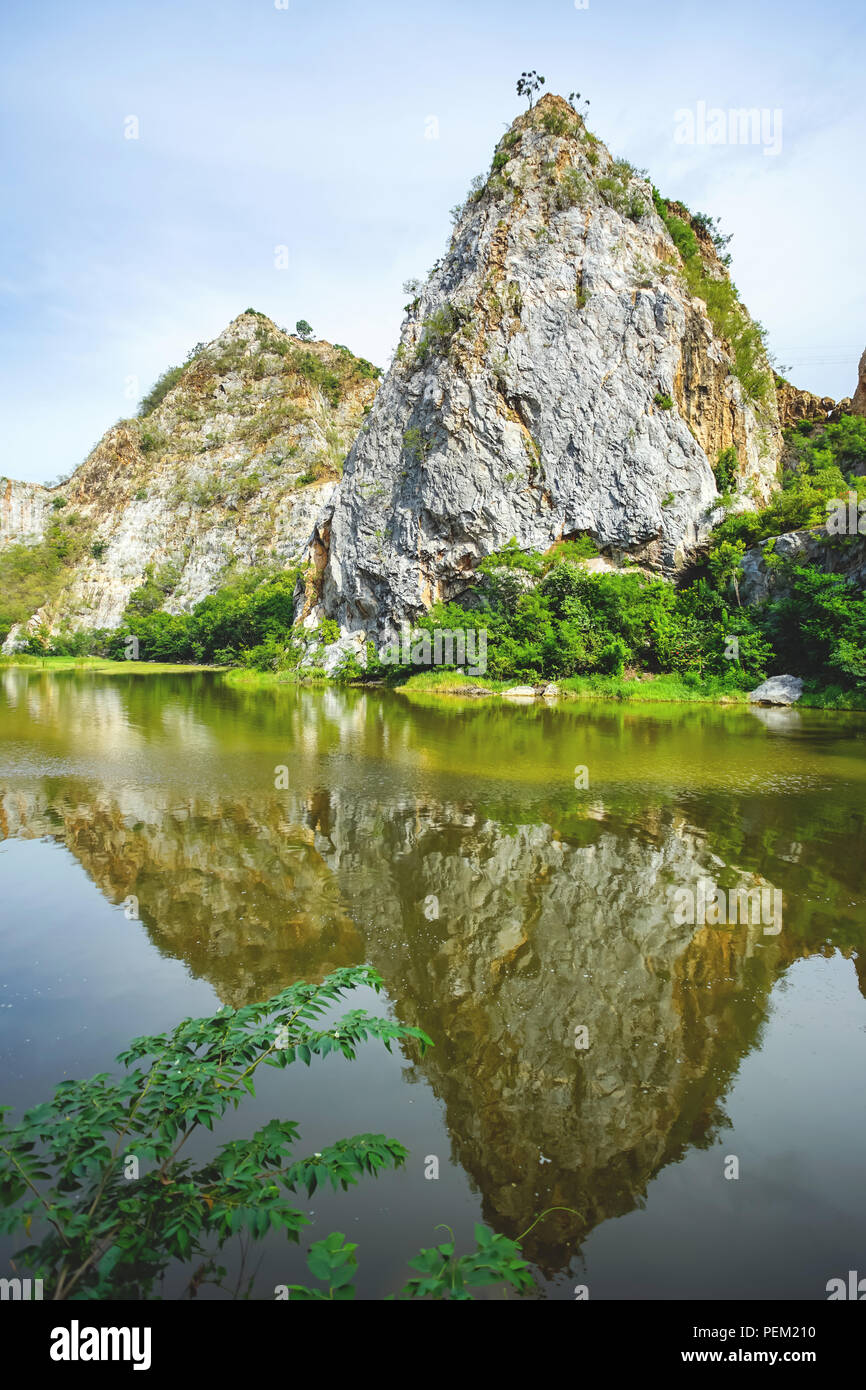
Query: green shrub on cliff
(159, 390)
(821, 460)
(727, 315)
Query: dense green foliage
(97, 1177)
(245, 622)
(726, 468)
(818, 627)
(569, 623)
(551, 620)
(821, 468)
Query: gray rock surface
(778, 690)
(843, 555)
(554, 377)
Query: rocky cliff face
(554, 376)
(795, 405)
(557, 375)
(858, 402)
(23, 508)
(229, 470)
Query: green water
(153, 865)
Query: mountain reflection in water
(505, 909)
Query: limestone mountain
(575, 364)
(227, 469)
(578, 363)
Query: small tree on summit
(528, 84)
(303, 330)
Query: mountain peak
(575, 365)
(225, 469)
(550, 102)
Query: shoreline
(666, 689)
(99, 665)
(662, 689)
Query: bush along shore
(567, 617)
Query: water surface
(150, 868)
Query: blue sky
(306, 127)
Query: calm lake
(593, 1049)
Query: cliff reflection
(504, 910)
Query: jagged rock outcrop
(554, 376)
(844, 555)
(796, 405)
(229, 470)
(23, 508)
(557, 375)
(858, 400)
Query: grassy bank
(98, 664)
(663, 689)
(832, 697)
(242, 678)
(667, 689)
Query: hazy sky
(307, 127)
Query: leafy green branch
(74, 1163)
